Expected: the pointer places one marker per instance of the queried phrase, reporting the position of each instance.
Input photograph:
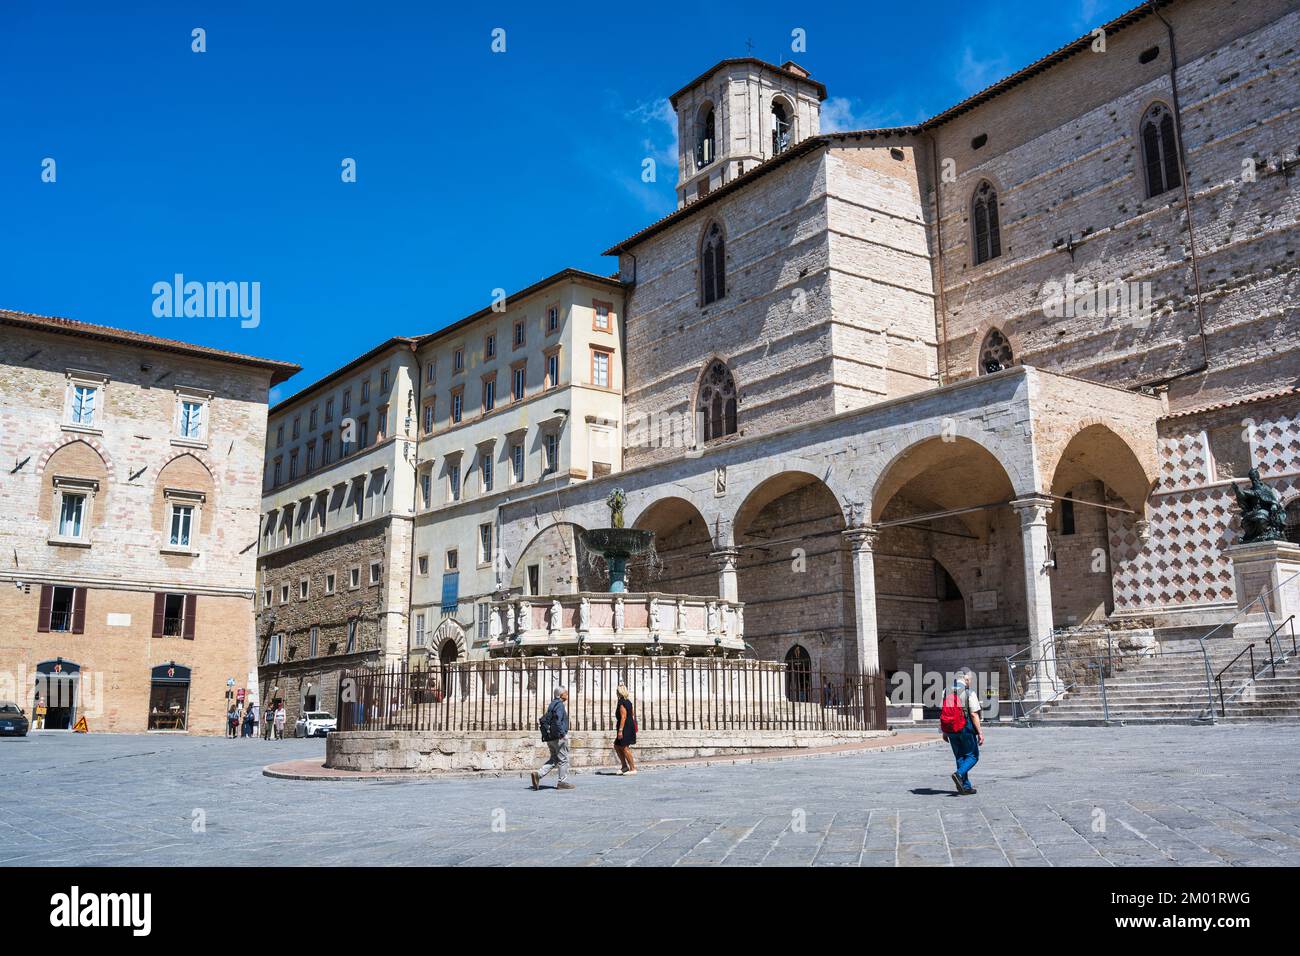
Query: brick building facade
(128, 512)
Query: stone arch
(704, 134)
(561, 561)
(793, 570)
(90, 440)
(785, 477)
(185, 471)
(683, 545)
(76, 458)
(939, 449)
(781, 109)
(448, 636)
(1096, 450)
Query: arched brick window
(985, 235)
(717, 404)
(713, 265)
(1159, 150)
(995, 353)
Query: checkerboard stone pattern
(1192, 510)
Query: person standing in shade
(960, 722)
(554, 726)
(625, 736)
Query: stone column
(1033, 510)
(862, 542)
(728, 590)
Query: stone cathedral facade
(932, 394)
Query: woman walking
(625, 721)
(279, 720)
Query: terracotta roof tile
(104, 333)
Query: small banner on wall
(81, 727)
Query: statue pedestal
(1270, 572)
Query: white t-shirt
(972, 699)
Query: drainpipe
(1187, 196)
(942, 325)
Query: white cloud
(661, 139)
(974, 74)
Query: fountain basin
(616, 545)
(616, 623)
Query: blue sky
(475, 170)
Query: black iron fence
(668, 693)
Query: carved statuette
(654, 615)
(494, 624)
(522, 613)
(713, 618)
(584, 615)
(617, 501)
(557, 615)
(618, 614)
(1262, 516)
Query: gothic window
(984, 223)
(713, 265)
(782, 127)
(717, 403)
(1160, 150)
(704, 137)
(995, 353)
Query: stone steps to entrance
(1171, 688)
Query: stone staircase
(1170, 687)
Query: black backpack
(546, 724)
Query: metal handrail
(1218, 678)
(1270, 664)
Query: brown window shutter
(191, 601)
(159, 606)
(79, 611)
(47, 599)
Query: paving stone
(107, 800)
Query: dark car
(13, 722)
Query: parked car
(314, 723)
(13, 722)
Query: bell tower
(740, 113)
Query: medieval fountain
(616, 621)
(680, 656)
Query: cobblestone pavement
(1194, 796)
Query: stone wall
(450, 751)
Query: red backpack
(952, 718)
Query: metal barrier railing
(1270, 664)
(510, 694)
(1026, 665)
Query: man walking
(555, 732)
(960, 722)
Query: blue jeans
(966, 748)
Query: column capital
(726, 558)
(862, 538)
(1033, 509)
